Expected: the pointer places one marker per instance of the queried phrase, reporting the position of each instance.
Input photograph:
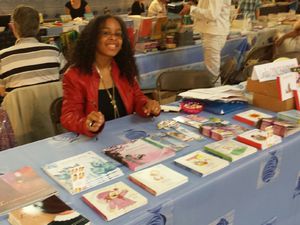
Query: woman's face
(110, 38)
(75, 1)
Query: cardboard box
(267, 88)
(271, 103)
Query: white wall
(56, 7)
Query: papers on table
(225, 93)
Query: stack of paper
(226, 93)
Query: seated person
(288, 42)
(77, 8)
(249, 8)
(28, 62)
(137, 8)
(158, 8)
(101, 84)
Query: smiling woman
(101, 83)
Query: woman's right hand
(94, 121)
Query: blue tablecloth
(150, 65)
(261, 189)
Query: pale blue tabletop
(241, 194)
(150, 65)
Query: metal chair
(170, 83)
(7, 137)
(259, 54)
(256, 56)
(55, 113)
(228, 71)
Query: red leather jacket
(80, 97)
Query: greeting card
(286, 84)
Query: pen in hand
(94, 121)
(91, 123)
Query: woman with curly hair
(101, 83)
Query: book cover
(142, 26)
(201, 163)
(158, 179)
(230, 150)
(139, 153)
(191, 120)
(259, 139)
(286, 83)
(114, 200)
(97, 170)
(292, 115)
(22, 187)
(280, 127)
(50, 211)
(250, 117)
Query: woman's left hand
(152, 107)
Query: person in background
(137, 8)
(158, 8)
(77, 8)
(288, 42)
(249, 8)
(28, 62)
(101, 83)
(212, 20)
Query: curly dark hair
(83, 57)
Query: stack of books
(201, 163)
(219, 129)
(259, 139)
(114, 200)
(225, 132)
(22, 187)
(191, 120)
(51, 210)
(291, 115)
(280, 127)
(139, 153)
(83, 171)
(251, 117)
(158, 179)
(230, 150)
(213, 123)
(163, 139)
